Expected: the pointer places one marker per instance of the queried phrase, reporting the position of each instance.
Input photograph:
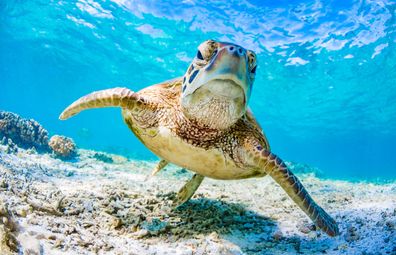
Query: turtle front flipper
(116, 97)
(188, 190)
(277, 169)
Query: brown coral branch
(8, 227)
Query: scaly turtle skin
(201, 122)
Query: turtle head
(216, 87)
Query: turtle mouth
(227, 88)
(218, 103)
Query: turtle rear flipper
(188, 190)
(276, 168)
(115, 97)
(163, 163)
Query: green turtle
(201, 122)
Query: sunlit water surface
(325, 91)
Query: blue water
(325, 90)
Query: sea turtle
(201, 122)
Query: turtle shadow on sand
(198, 217)
(205, 216)
(253, 233)
(212, 219)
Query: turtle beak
(230, 64)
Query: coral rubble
(89, 207)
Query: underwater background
(325, 89)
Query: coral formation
(17, 132)
(23, 132)
(63, 147)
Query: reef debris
(89, 206)
(63, 147)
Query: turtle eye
(206, 51)
(199, 55)
(252, 61)
(253, 71)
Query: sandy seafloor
(88, 206)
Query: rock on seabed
(63, 147)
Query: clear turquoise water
(325, 91)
